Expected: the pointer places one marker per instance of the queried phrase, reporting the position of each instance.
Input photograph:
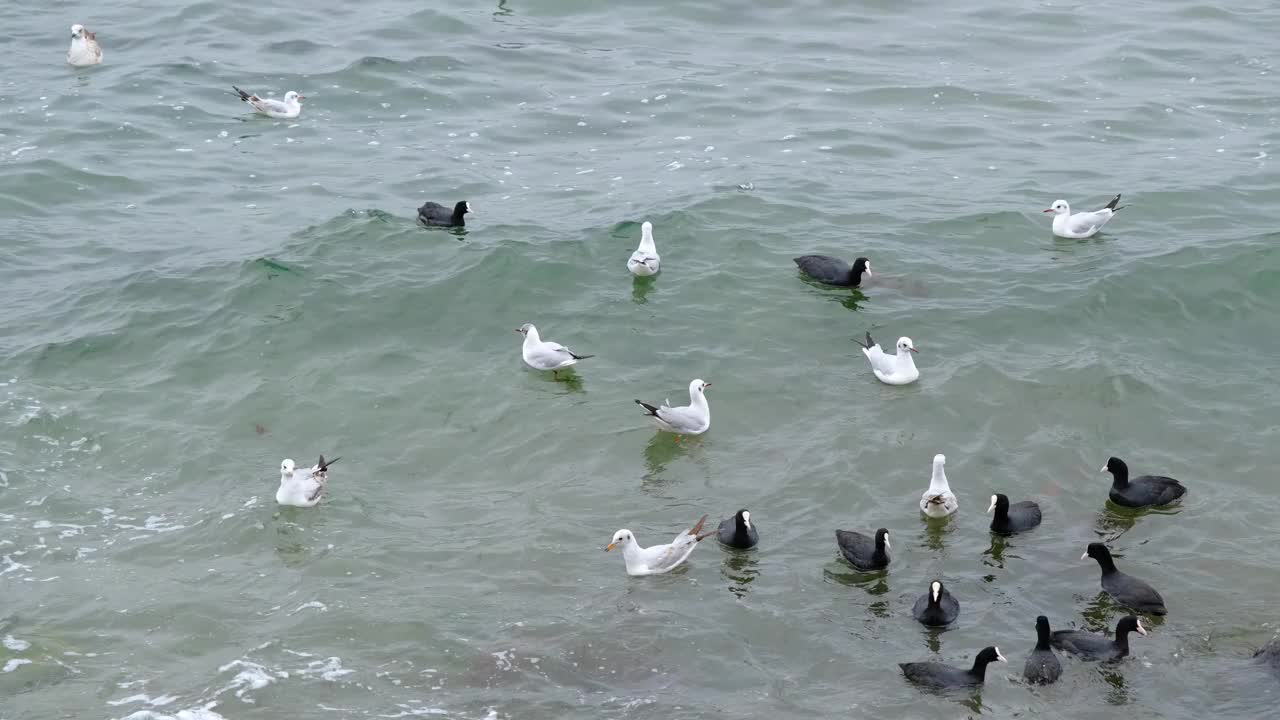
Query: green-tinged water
(189, 295)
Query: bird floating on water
(897, 369)
(644, 261)
(302, 487)
(691, 419)
(432, 213)
(938, 501)
(290, 107)
(546, 355)
(84, 49)
(1081, 224)
(657, 559)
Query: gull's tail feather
(323, 466)
(575, 356)
(243, 95)
(652, 410)
(1114, 204)
(868, 344)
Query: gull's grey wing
(680, 417)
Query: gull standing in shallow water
(287, 108)
(644, 261)
(938, 501)
(898, 369)
(1082, 224)
(657, 559)
(302, 487)
(691, 419)
(84, 49)
(548, 355)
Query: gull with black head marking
(737, 531)
(546, 355)
(288, 108)
(691, 419)
(432, 213)
(302, 487)
(657, 559)
(1082, 224)
(897, 369)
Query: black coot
(436, 214)
(738, 532)
(1089, 646)
(936, 607)
(1010, 519)
(862, 552)
(938, 675)
(834, 271)
(1145, 491)
(1043, 667)
(1127, 590)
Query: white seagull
(659, 558)
(938, 501)
(899, 369)
(1083, 224)
(644, 261)
(84, 47)
(287, 108)
(302, 487)
(541, 355)
(691, 419)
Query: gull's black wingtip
(1113, 205)
(868, 343)
(650, 408)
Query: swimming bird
(302, 487)
(436, 214)
(834, 271)
(738, 532)
(1043, 667)
(940, 676)
(548, 355)
(1270, 654)
(1082, 224)
(290, 107)
(657, 559)
(1090, 646)
(1010, 519)
(1144, 491)
(644, 261)
(897, 369)
(691, 419)
(84, 50)
(938, 501)
(936, 607)
(1125, 589)
(862, 552)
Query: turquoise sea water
(189, 294)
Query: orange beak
(608, 547)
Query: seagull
(541, 355)
(897, 369)
(1084, 224)
(288, 108)
(691, 419)
(302, 488)
(938, 501)
(659, 558)
(644, 261)
(84, 47)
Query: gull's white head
(698, 387)
(77, 31)
(622, 538)
(1059, 207)
(646, 230)
(526, 329)
(746, 518)
(935, 589)
(292, 97)
(905, 345)
(939, 460)
(286, 468)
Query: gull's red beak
(302, 97)
(1047, 210)
(912, 349)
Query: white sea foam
(14, 664)
(15, 644)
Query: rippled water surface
(189, 294)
